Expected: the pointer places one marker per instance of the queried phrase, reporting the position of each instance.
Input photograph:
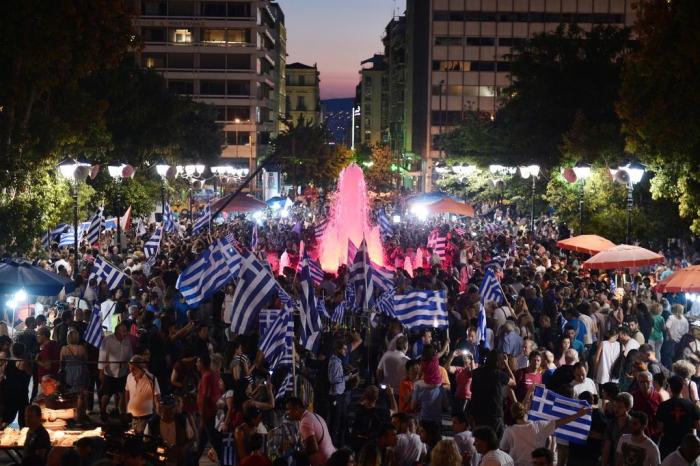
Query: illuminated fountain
(349, 219)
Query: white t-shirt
(610, 351)
(586, 386)
(465, 443)
(519, 440)
(638, 453)
(588, 323)
(107, 309)
(677, 327)
(141, 394)
(496, 458)
(630, 345)
(393, 366)
(676, 459)
(408, 449)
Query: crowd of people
(170, 383)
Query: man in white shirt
(686, 454)
(464, 440)
(115, 352)
(628, 343)
(581, 382)
(635, 448)
(409, 446)
(107, 309)
(392, 367)
(486, 443)
(142, 394)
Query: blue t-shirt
(429, 399)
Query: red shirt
(50, 351)
(464, 383)
(524, 380)
(208, 393)
(648, 404)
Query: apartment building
(303, 93)
(230, 54)
(372, 97)
(455, 56)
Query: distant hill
(337, 116)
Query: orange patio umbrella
(686, 280)
(587, 244)
(449, 205)
(623, 256)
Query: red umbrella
(623, 256)
(681, 281)
(587, 244)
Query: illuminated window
(238, 36)
(214, 36)
(183, 35)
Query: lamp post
(237, 122)
(116, 171)
(355, 112)
(502, 171)
(583, 172)
(220, 171)
(193, 172)
(68, 168)
(162, 169)
(531, 171)
(635, 172)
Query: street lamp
(74, 172)
(635, 172)
(162, 168)
(531, 171)
(583, 172)
(116, 171)
(355, 112)
(221, 171)
(193, 172)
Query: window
(153, 8)
(208, 61)
(180, 8)
(181, 36)
(153, 60)
(214, 9)
(153, 34)
(264, 138)
(211, 87)
(214, 36)
(446, 117)
(240, 88)
(182, 86)
(301, 104)
(243, 138)
(481, 41)
(238, 61)
(463, 65)
(220, 113)
(239, 36)
(181, 60)
(239, 10)
(240, 113)
(511, 41)
(447, 40)
(302, 80)
(468, 91)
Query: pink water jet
(349, 219)
(284, 262)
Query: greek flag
(265, 319)
(254, 238)
(613, 286)
(55, 234)
(385, 227)
(215, 267)
(385, 303)
(547, 405)
(67, 239)
(423, 308)
(93, 232)
(497, 262)
(287, 301)
(228, 450)
(352, 251)
(320, 229)
(490, 289)
(361, 277)
(481, 326)
(204, 220)
(437, 243)
(152, 246)
(321, 308)
(312, 320)
(104, 271)
(276, 342)
(382, 278)
(169, 220)
(339, 312)
(460, 231)
(255, 289)
(93, 333)
(286, 386)
(317, 273)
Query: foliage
(379, 175)
(306, 156)
(660, 104)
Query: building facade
(227, 54)
(372, 98)
(303, 94)
(455, 56)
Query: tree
(379, 175)
(306, 156)
(660, 103)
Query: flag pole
(294, 366)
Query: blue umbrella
(17, 274)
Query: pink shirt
(313, 425)
(431, 371)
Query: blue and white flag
(424, 308)
(547, 405)
(481, 327)
(254, 238)
(95, 228)
(490, 289)
(228, 450)
(382, 278)
(311, 321)
(385, 303)
(276, 343)
(255, 289)
(287, 386)
(352, 251)
(55, 234)
(385, 227)
(67, 239)
(360, 277)
(320, 229)
(203, 221)
(214, 268)
(321, 308)
(109, 273)
(152, 246)
(169, 220)
(339, 312)
(93, 333)
(613, 286)
(265, 319)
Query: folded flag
(109, 273)
(547, 405)
(93, 333)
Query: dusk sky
(337, 35)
